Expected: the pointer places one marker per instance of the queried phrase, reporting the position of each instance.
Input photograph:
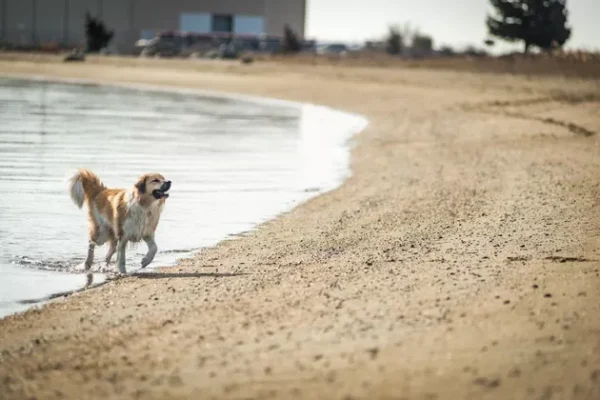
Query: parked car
(182, 44)
(334, 49)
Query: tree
(290, 42)
(96, 34)
(394, 44)
(422, 44)
(540, 23)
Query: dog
(120, 216)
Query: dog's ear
(141, 184)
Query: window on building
(248, 24)
(222, 23)
(147, 34)
(195, 22)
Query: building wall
(118, 16)
(62, 21)
(2, 20)
(75, 26)
(49, 20)
(165, 15)
(281, 12)
(19, 21)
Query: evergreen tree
(290, 43)
(540, 23)
(96, 34)
(394, 42)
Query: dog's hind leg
(90, 255)
(121, 254)
(111, 250)
(93, 239)
(151, 251)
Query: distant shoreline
(571, 64)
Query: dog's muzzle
(162, 192)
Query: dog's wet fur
(120, 216)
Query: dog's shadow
(137, 274)
(165, 275)
(143, 274)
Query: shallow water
(234, 163)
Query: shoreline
(189, 91)
(434, 271)
(353, 125)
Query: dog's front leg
(121, 254)
(151, 251)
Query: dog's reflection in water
(89, 280)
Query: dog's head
(153, 186)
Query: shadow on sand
(164, 275)
(142, 275)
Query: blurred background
(257, 28)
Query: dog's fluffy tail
(84, 185)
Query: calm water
(234, 163)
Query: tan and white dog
(119, 216)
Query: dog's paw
(121, 269)
(116, 275)
(146, 262)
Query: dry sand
(461, 260)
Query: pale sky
(454, 22)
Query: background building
(38, 22)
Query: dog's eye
(155, 181)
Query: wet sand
(460, 260)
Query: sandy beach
(460, 261)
